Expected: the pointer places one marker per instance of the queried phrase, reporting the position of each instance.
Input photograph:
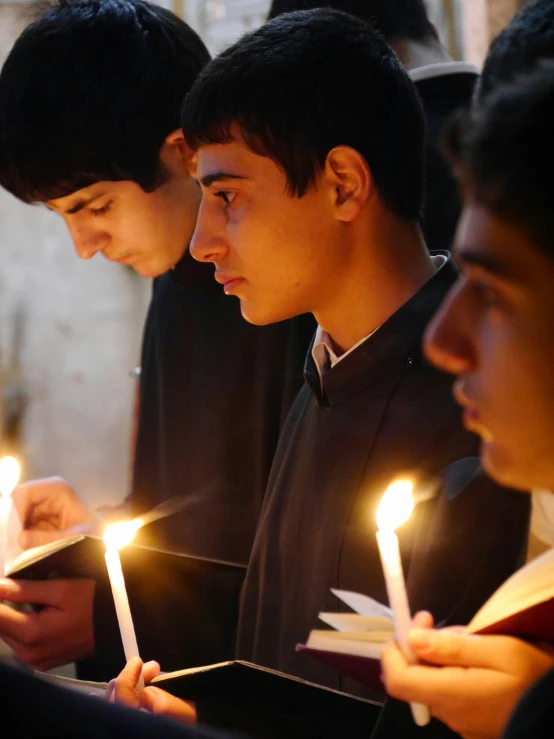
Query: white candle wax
(9, 477)
(5, 511)
(398, 601)
(122, 608)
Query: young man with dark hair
(495, 332)
(529, 37)
(312, 179)
(443, 86)
(90, 100)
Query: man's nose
(87, 243)
(208, 243)
(448, 340)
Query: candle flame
(120, 534)
(396, 506)
(9, 475)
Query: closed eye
(101, 211)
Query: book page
(27, 557)
(345, 643)
(529, 586)
(363, 604)
(354, 622)
(13, 547)
(189, 671)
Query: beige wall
(500, 13)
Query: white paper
(363, 604)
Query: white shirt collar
(441, 69)
(324, 354)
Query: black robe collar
(396, 342)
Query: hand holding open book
(522, 607)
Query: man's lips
(470, 415)
(123, 259)
(229, 282)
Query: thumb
(125, 686)
(159, 702)
(423, 620)
(448, 648)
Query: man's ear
(177, 155)
(350, 181)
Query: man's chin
(503, 467)
(262, 316)
(150, 269)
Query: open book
(82, 555)
(262, 703)
(523, 606)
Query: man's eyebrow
(209, 179)
(78, 205)
(471, 258)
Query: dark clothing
(214, 392)
(383, 412)
(441, 96)
(533, 718)
(34, 708)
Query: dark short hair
(305, 83)
(395, 19)
(503, 154)
(528, 38)
(89, 92)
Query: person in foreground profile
(90, 100)
(495, 332)
(444, 85)
(312, 179)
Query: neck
(385, 270)
(414, 54)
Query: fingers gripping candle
(9, 477)
(115, 537)
(394, 509)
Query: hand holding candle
(9, 477)
(115, 537)
(395, 508)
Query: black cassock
(383, 412)
(214, 393)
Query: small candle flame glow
(396, 505)
(9, 475)
(120, 534)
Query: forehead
(236, 159)
(84, 193)
(498, 246)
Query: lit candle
(394, 509)
(9, 477)
(115, 537)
